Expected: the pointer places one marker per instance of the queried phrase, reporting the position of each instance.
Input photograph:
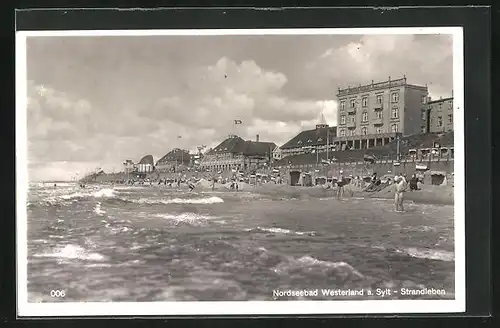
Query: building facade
(234, 153)
(315, 140)
(439, 115)
(277, 154)
(388, 107)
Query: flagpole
(327, 143)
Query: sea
(148, 243)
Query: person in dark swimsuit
(340, 185)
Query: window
(394, 112)
(364, 131)
(353, 132)
(440, 106)
(424, 115)
(342, 105)
(309, 140)
(379, 130)
(424, 99)
(380, 99)
(365, 101)
(342, 119)
(342, 132)
(395, 97)
(364, 118)
(380, 115)
(319, 139)
(423, 129)
(440, 121)
(450, 119)
(352, 118)
(394, 128)
(353, 103)
(299, 142)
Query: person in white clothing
(400, 186)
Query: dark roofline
(290, 145)
(439, 100)
(387, 84)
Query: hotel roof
(237, 145)
(175, 155)
(148, 159)
(314, 137)
(377, 86)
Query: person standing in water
(400, 186)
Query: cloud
(424, 59)
(64, 127)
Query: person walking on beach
(400, 186)
(340, 185)
(413, 182)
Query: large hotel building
(383, 108)
(440, 115)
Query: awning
(443, 173)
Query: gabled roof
(314, 137)
(148, 159)
(175, 155)
(237, 145)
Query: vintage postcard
(213, 172)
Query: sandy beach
(428, 194)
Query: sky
(95, 101)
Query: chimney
(257, 138)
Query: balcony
(378, 121)
(378, 107)
(351, 124)
(351, 110)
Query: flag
(237, 122)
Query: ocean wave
(280, 230)
(207, 200)
(430, 254)
(72, 252)
(309, 263)
(421, 253)
(189, 218)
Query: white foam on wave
(190, 218)
(421, 253)
(430, 254)
(98, 210)
(101, 193)
(73, 252)
(282, 231)
(74, 195)
(104, 193)
(308, 262)
(207, 200)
